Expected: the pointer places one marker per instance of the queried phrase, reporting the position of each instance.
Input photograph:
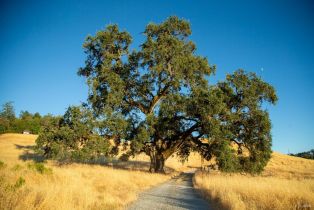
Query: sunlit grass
(29, 185)
(286, 183)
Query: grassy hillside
(25, 184)
(286, 183)
(74, 186)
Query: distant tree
(7, 117)
(72, 137)
(4, 125)
(307, 154)
(26, 120)
(159, 98)
(37, 116)
(25, 115)
(7, 111)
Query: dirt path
(177, 193)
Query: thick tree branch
(137, 105)
(156, 98)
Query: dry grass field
(286, 183)
(27, 185)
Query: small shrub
(2, 164)
(17, 167)
(7, 188)
(19, 183)
(39, 167)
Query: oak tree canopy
(158, 97)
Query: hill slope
(31, 185)
(286, 183)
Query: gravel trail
(178, 193)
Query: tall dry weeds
(286, 183)
(74, 186)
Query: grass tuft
(39, 167)
(2, 164)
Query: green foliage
(25, 122)
(225, 156)
(307, 155)
(7, 111)
(2, 164)
(40, 168)
(248, 124)
(17, 167)
(72, 137)
(7, 117)
(19, 183)
(158, 97)
(8, 188)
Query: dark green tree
(72, 137)
(25, 121)
(158, 97)
(28, 121)
(7, 117)
(307, 155)
(7, 111)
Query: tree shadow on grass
(134, 165)
(131, 165)
(29, 153)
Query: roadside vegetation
(286, 183)
(47, 185)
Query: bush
(19, 183)
(39, 167)
(73, 138)
(2, 164)
(7, 188)
(17, 167)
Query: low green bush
(19, 183)
(2, 164)
(40, 167)
(17, 167)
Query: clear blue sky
(41, 50)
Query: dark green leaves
(158, 97)
(73, 137)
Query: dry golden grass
(13, 146)
(285, 166)
(75, 186)
(286, 183)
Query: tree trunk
(158, 154)
(160, 163)
(157, 162)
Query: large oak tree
(158, 97)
